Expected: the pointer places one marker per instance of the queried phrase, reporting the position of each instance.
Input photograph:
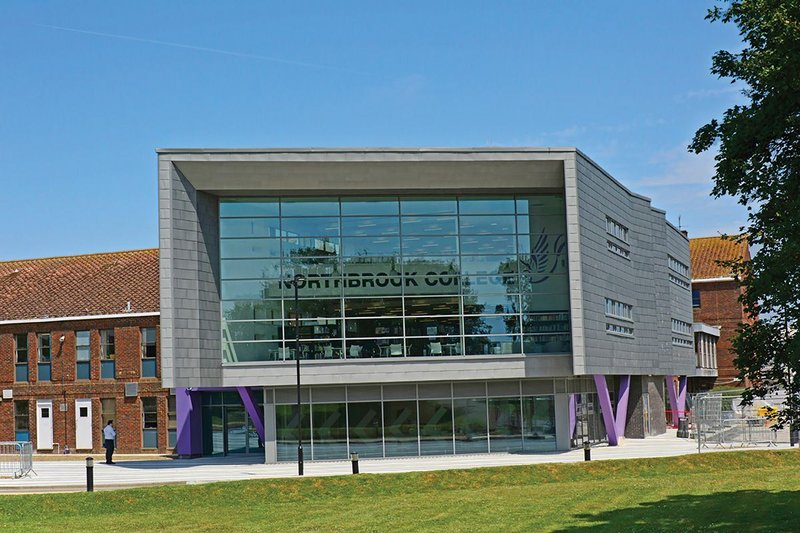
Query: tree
(758, 163)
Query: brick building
(715, 296)
(79, 345)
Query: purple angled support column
(255, 413)
(573, 420)
(622, 404)
(189, 421)
(673, 398)
(605, 408)
(682, 396)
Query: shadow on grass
(744, 510)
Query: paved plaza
(70, 475)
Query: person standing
(109, 434)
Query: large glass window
(429, 419)
(393, 276)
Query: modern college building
(451, 301)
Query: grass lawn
(731, 491)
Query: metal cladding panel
(190, 322)
(641, 279)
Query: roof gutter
(712, 280)
(74, 318)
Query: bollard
(587, 452)
(89, 474)
(354, 459)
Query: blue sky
(90, 89)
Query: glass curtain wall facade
(418, 426)
(394, 277)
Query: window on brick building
(21, 351)
(172, 422)
(43, 342)
(108, 410)
(149, 364)
(108, 369)
(149, 422)
(82, 355)
(21, 421)
(695, 298)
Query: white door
(83, 424)
(44, 424)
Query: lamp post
(296, 281)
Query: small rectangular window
(82, 345)
(695, 298)
(21, 347)
(21, 421)
(616, 229)
(618, 309)
(172, 422)
(149, 352)
(108, 410)
(107, 344)
(150, 422)
(44, 347)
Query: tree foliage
(759, 164)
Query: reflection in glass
(487, 225)
(432, 284)
(374, 327)
(249, 248)
(470, 429)
(492, 345)
(249, 290)
(385, 205)
(428, 206)
(415, 245)
(252, 310)
(286, 424)
(366, 429)
(400, 428)
(538, 414)
(373, 348)
(532, 303)
(371, 246)
(424, 306)
(311, 246)
(248, 207)
(329, 433)
(429, 226)
(488, 264)
(305, 207)
(486, 206)
(311, 227)
(552, 224)
(435, 427)
(533, 344)
(314, 349)
(424, 265)
(488, 244)
(366, 307)
(249, 227)
(254, 331)
(250, 268)
(542, 243)
(321, 308)
(505, 425)
(496, 324)
(491, 303)
(240, 352)
(365, 226)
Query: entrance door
(83, 424)
(236, 430)
(44, 424)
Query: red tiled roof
(80, 285)
(706, 251)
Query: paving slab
(70, 476)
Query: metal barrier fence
(16, 459)
(720, 420)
